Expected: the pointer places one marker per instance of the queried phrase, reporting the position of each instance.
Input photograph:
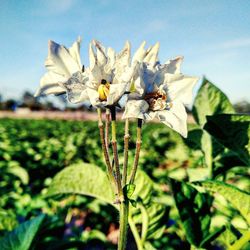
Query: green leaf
(238, 198)
(210, 100)
(232, 131)
(129, 190)
(194, 211)
(83, 179)
(23, 236)
(211, 237)
(226, 161)
(87, 179)
(19, 172)
(154, 213)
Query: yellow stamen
(103, 91)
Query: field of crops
(181, 197)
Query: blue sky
(213, 36)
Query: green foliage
(194, 211)
(210, 100)
(209, 105)
(232, 131)
(238, 198)
(51, 167)
(23, 236)
(84, 179)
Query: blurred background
(214, 38)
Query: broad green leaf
(238, 198)
(83, 179)
(210, 100)
(87, 179)
(23, 236)
(232, 131)
(194, 211)
(143, 187)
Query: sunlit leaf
(238, 198)
(83, 179)
(210, 100)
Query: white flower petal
(152, 56)
(135, 109)
(100, 53)
(122, 60)
(60, 61)
(75, 85)
(74, 51)
(115, 93)
(92, 57)
(95, 76)
(175, 118)
(111, 61)
(49, 84)
(84, 96)
(182, 89)
(140, 53)
(173, 66)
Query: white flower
(109, 74)
(64, 73)
(161, 91)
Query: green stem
(135, 234)
(137, 152)
(107, 128)
(104, 149)
(126, 145)
(245, 238)
(116, 158)
(124, 210)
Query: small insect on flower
(103, 90)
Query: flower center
(103, 90)
(156, 101)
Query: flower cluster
(152, 90)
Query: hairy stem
(137, 152)
(104, 149)
(124, 210)
(107, 124)
(115, 154)
(126, 145)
